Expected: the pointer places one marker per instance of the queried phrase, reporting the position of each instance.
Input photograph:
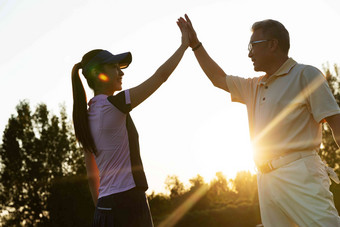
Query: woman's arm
(92, 175)
(143, 91)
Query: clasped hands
(189, 36)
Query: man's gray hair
(273, 29)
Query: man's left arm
(334, 123)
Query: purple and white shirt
(116, 139)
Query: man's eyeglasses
(251, 44)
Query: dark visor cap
(105, 57)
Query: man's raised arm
(214, 72)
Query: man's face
(259, 51)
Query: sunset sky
(187, 127)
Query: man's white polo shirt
(286, 109)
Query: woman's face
(112, 75)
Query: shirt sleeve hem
(232, 91)
(327, 114)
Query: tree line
(43, 178)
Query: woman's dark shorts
(125, 209)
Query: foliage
(222, 203)
(174, 185)
(43, 179)
(37, 148)
(245, 184)
(70, 203)
(329, 150)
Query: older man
(286, 109)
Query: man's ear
(274, 44)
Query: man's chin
(257, 69)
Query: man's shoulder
(306, 70)
(302, 66)
(241, 78)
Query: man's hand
(193, 40)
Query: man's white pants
(297, 194)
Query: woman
(107, 134)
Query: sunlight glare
(173, 218)
(310, 88)
(223, 146)
(103, 77)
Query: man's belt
(283, 160)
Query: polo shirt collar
(282, 71)
(285, 67)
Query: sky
(188, 126)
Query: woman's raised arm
(141, 92)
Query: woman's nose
(121, 72)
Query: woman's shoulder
(121, 101)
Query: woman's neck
(103, 92)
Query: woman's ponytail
(80, 118)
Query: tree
(220, 203)
(160, 205)
(245, 184)
(329, 151)
(70, 202)
(174, 186)
(220, 190)
(199, 191)
(196, 182)
(37, 148)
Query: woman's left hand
(183, 26)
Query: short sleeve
(240, 89)
(321, 101)
(121, 101)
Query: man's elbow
(334, 123)
(222, 84)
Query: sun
(222, 144)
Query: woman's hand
(183, 26)
(188, 31)
(141, 92)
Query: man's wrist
(196, 46)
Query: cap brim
(123, 59)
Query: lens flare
(176, 216)
(103, 77)
(308, 90)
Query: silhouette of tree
(174, 186)
(36, 149)
(221, 205)
(245, 185)
(160, 205)
(70, 202)
(329, 150)
(220, 191)
(43, 177)
(196, 182)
